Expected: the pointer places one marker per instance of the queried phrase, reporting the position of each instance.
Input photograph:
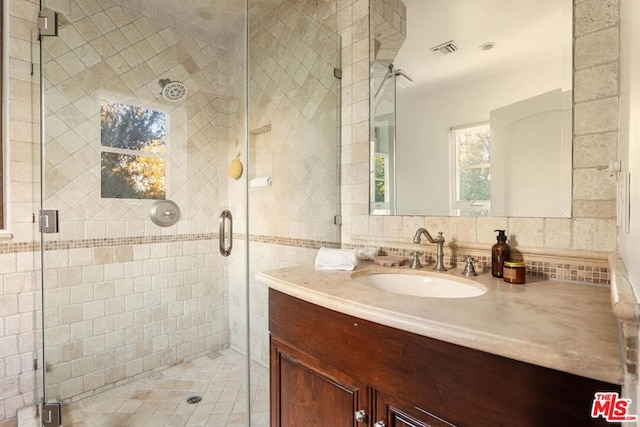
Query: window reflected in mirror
(472, 172)
(381, 180)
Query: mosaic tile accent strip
(298, 243)
(34, 246)
(19, 247)
(126, 241)
(560, 270)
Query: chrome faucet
(439, 241)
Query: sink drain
(192, 400)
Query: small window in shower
(133, 150)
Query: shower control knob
(361, 416)
(380, 423)
(164, 213)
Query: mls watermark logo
(609, 406)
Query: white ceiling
(525, 32)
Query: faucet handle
(415, 261)
(469, 270)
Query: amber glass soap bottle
(500, 252)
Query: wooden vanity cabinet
(310, 393)
(398, 413)
(326, 365)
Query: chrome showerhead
(172, 90)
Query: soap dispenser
(500, 252)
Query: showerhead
(172, 90)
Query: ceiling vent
(444, 48)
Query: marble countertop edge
(624, 302)
(525, 351)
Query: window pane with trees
(133, 146)
(472, 148)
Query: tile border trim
(590, 272)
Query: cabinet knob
(380, 423)
(361, 416)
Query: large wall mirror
(471, 108)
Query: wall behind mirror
(471, 109)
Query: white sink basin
(420, 284)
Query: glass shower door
(294, 158)
(142, 107)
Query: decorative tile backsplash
(546, 267)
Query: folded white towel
(336, 259)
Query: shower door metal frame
(47, 27)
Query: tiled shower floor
(160, 399)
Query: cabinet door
(306, 393)
(393, 412)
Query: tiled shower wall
(107, 51)
(19, 289)
(294, 126)
(119, 312)
(128, 261)
(124, 297)
(293, 92)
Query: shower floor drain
(192, 400)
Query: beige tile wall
(19, 289)
(117, 313)
(579, 240)
(294, 94)
(143, 297)
(23, 191)
(293, 90)
(90, 268)
(117, 53)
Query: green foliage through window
(133, 141)
(473, 167)
(380, 178)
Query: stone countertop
(560, 325)
(624, 301)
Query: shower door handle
(225, 218)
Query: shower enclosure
(144, 104)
